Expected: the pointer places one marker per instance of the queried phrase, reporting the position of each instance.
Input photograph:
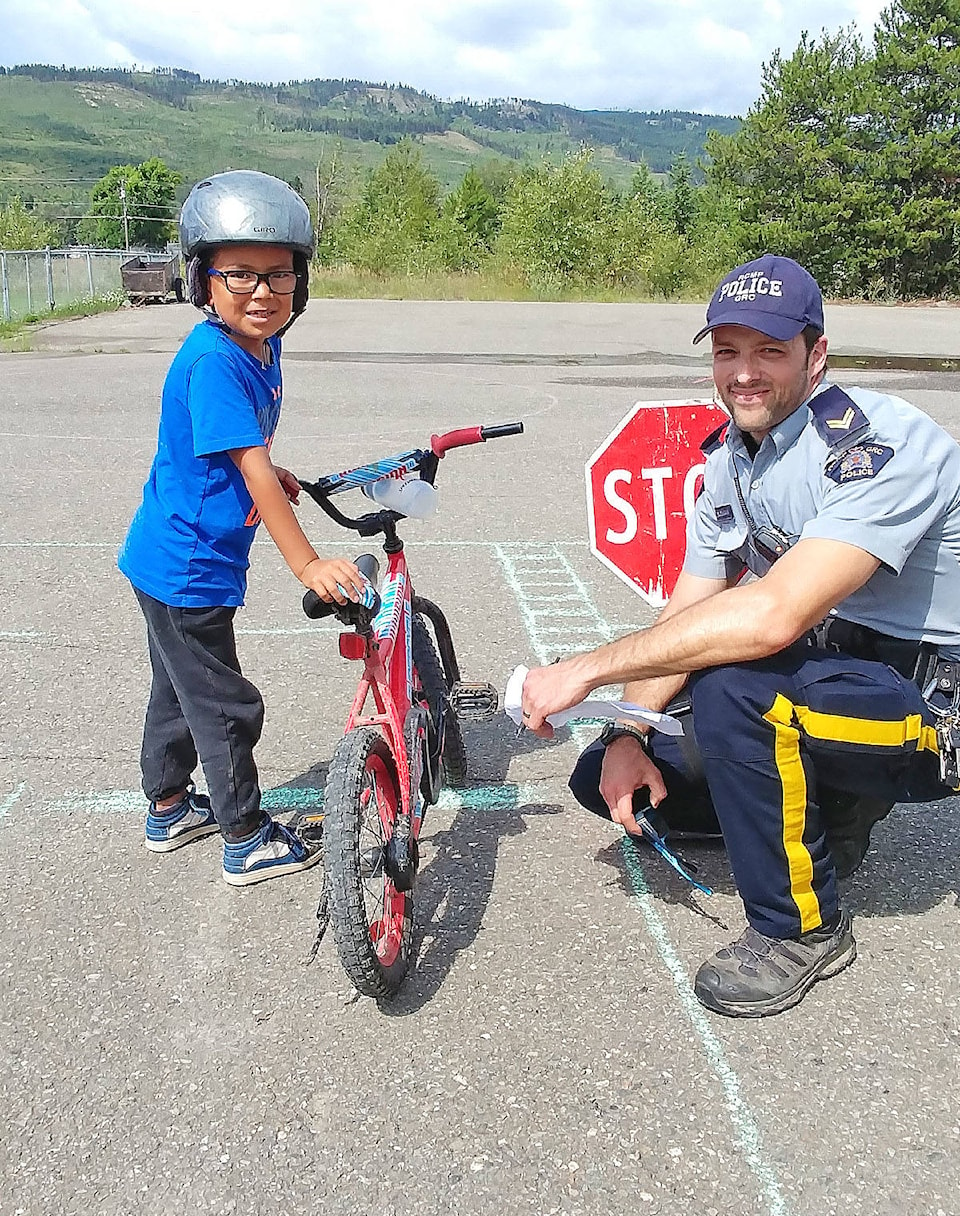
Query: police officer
(814, 631)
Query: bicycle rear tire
(372, 921)
(434, 685)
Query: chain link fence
(37, 281)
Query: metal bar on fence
(6, 287)
(48, 269)
(90, 274)
(26, 267)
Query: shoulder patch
(715, 439)
(860, 462)
(837, 417)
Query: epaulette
(714, 439)
(837, 417)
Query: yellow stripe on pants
(793, 782)
(904, 734)
(867, 732)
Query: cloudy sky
(593, 54)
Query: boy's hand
(291, 487)
(322, 575)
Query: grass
(15, 335)
(345, 283)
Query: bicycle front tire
(372, 921)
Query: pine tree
(917, 118)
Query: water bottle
(409, 495)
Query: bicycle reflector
(352, 645)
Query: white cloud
(663, 54)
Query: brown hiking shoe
(756, 976)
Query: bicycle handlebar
(419, 460)
(441, 444)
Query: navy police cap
(773, 295)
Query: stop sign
(642, 482)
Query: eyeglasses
(245, 282)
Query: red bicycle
(402, 739)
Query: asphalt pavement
(165, 1045)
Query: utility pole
(126, 226)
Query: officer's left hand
(627, 768)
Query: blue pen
(651, 834)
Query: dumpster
(152, 280)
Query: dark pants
(768, 738)
(200, 703)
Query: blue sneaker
(177, 826)
(271, 851)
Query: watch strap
(616, 730)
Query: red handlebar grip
(439, 444)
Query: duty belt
(916, 661)
(936, 677)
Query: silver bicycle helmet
(243, 207)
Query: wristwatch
(615, 730)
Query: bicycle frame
(387, 672)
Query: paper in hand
(591, 708)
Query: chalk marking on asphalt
(553, 599)
(548, 563)
(20, 635)
(7, 805)
(299, 799)
(746, 1125)
(513, 560)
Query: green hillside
(63, 128)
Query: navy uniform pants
(766, 736)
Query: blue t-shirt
(189, 542)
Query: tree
(916, 111)
(801, 166)
(558, 222)
(645, 248)
(330, 180)
(393, 225)
(647, 195)
(470, 223)
(850, 161)
(23, 229)
(133, 205)
(682, 195)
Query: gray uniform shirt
(883, 477)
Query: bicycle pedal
(477, 702)
(310, 829)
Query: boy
(247, 239)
